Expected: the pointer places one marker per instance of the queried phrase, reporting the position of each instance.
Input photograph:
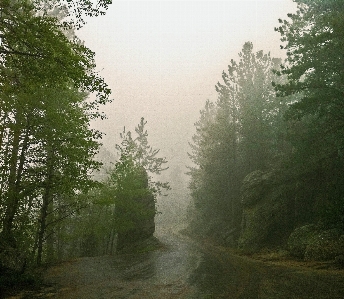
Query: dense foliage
(268, 153)
(235, 136)
(46, 146)
(123, 208)
(314, 67)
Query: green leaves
(37, 51)
(314, 67)
(46, 146)
(130, 190)
(314, 47)
(138, 154)
(76, 11)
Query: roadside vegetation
(268, 154)
(54, 205)
(46, 146)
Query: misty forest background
(267, 156)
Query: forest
(267, 155)
(57, 201)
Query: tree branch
(14, 52)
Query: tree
(314, 64)
(46, 145)
(135, 190)
(143, 156)
(235, 136)
(138, 159)
(75, 11)
(31, 42)
(68, 157)
(314, 69)
(249, 97)
(55, 158)
(123, 208)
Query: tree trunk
(50, 231)
(2, 128)
(59, 233)
(47, 200)
(14, 179)
(41, 231)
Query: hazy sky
(162, 60)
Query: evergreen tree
(139, 159)
(127, 199)
(235, 136)
(314, 68)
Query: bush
(325, 245)
(309, 242)
(12, 280)
(299, 239)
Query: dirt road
(187, 270)
(158, 274)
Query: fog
(162, 60)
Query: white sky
(162, 60)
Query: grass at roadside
(13, 282)
(275, 275)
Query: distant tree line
(268, 154)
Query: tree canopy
(123, 208)
(271, 148)
(138, 158)
(314, 68)
(46, 145)
(234, 136)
